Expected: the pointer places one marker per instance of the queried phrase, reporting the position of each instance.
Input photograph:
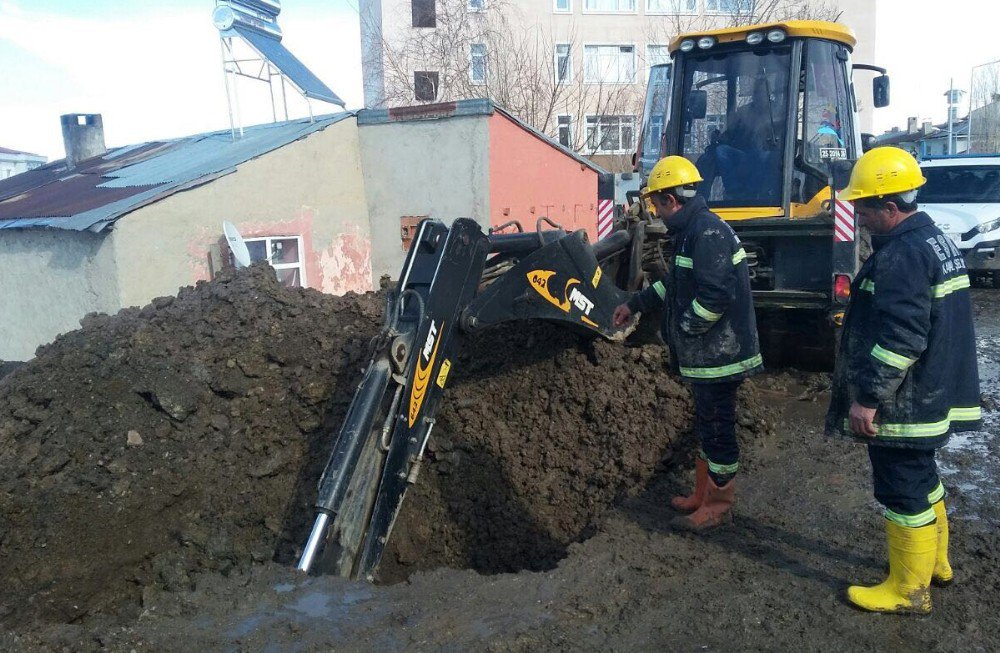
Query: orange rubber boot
(693, 502)
(715, 510)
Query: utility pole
(953, 96)
(951, 134)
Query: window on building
(425, 85)
(477, 5)
(611, 134)
(284, 253)
(609, 5)
(424, 13)
(562, 6)
(671, 6)
(477, 63)
(609, 64)
(565, 124)
(563, 63)
(733, 7)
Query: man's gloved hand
(693, 325)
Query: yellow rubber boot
(943, 575)
(912, 554)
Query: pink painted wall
(529, 179)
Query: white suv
(962, 196)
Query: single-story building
(14, 162)
(330, 202)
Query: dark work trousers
(715, 426)
(906, 483)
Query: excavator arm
(455, 281)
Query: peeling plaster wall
(311, 188)
(438, 168)
(49, 279)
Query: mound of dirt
(186, 438)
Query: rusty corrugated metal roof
(103, 189)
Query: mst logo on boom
(571, 295)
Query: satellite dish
(236, 244)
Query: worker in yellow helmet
(906, 374)
(708, 323)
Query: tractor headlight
(776, 36)
(755, 38)
(706, 42)
(687, 45)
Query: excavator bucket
(455, 280)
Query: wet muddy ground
(805, 526)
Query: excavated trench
(152, 447)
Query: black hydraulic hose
(522, 243)
(613, 244)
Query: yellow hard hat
(883, 171)
(671, 172)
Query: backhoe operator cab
(768, 115)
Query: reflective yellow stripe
(926, 429)
(660, 290)
(704, 313)
(685, 262)
(936, 494)
(950, 286)
(716, 468)
(725, 370)
(868, 285)
(965, 414)
(892, 358)
(912, 521)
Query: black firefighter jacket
(708, 319)
(908, 346)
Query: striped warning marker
(843, 222)
(605, 218)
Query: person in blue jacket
(906, 375)
(709, 327)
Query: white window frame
(476, 10)
(269, 248)
(635, 61)
(723, 12)
(670, 12)
(625, 150)
(569, 129)
(486, 65)
(557, 10)
(649, 58)
(569, 63)
(634, 10)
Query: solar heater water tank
(258, 15)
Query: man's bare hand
(622, 315)
(862, 420)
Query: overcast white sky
(153, 68)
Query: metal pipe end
(316, 538)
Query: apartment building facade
(573, 69)
(14, 162)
